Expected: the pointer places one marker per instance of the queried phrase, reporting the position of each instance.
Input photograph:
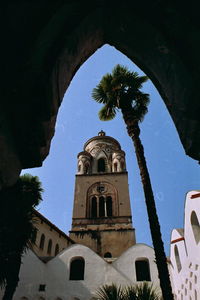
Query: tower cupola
(101, 154)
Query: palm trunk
(161, 261)
(12, 278)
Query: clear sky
(172, 172)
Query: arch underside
(49, 54)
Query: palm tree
(120, 90)
(142, 291)
(17, 229)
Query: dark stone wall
(43, 44)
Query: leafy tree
(121, 90)
(142, 291)
(17, 230)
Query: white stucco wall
(186, 282)
(55, 273)
(126, 262)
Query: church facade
(101, 247)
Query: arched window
(77, 268)
(94, 207)
(49, 247)
(34, 236)
(86, 168)
(142, 270)
(107, 255)
(115, 167)
(42, 240)
(195, 226)
(56, 249)
(101, 165)
(102, 201)
(177, 258)
(101, 207)
(109, 206)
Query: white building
(185, 252)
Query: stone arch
(80, 167)
(98, 192)
(87, 168)
(101, 156)
(59, 51)
(195, 226)
(116, 165)
(112, 27)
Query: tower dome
(101, 154)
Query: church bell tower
(102, 217)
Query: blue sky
(172, 172)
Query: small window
(101, 165)
(101, 207)
(34, 236)
(115, 167)
(56, 249)
(107, 255)
(195, 226)
(77, 268)
(185, 292)
(42, 287)
(94, 207)
(109, 206)
(86, 169)
(42, 240)
(49, 247)
(122, 165)
(177, 258)
(142, 270)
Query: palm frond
(121, 89)
(130, 292)
(143, 291)
(107, 113)
(110, 292)
(99, 95)
(146, 291)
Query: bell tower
(102, 217)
